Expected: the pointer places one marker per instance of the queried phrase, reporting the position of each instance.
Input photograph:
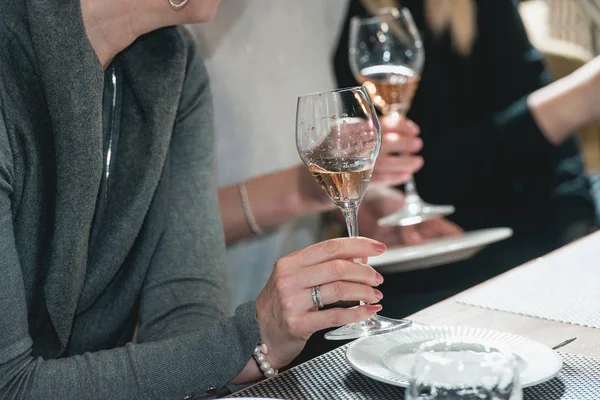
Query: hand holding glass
(338, 137)
(386, 55)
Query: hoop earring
(178, 5)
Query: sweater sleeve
(186, 344)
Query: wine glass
(387, 56)
(453, 370)
(338, 137)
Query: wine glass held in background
(387, 57)
(338, 137)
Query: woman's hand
(430, 229)
(397, 159)
(285, 309)
(384, 201)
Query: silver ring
(316, 297)
(178, 5)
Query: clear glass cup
(462, 370)
(386, 56)
(338, 138)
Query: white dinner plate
(437, 251)
(388, 358)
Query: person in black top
(484, 152)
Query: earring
(178, 5)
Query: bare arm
(275, 199)
(567, 104)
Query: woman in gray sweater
(109, 217)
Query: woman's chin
(201, 10)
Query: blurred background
(567, 32)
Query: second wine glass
(338, 137)
(386, 55)
(449, 369)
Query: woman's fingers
(410, 235)
(439, 227)
(400, 124)
(394, 170)
(434, 228)
(338, 270)
(342, 248)
(398, 164)
(387, 180)
(393, 142)
(345, 291)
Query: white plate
(369, 356)
(437, 251)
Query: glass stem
(410, 188)
(351, 217)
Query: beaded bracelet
(260, 356)
(248, 211)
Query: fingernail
(374, 308)
(412, 126)
(417, 144)
(380, 247)
(378, 294)
(415, 236)
(379, 278)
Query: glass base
(372, 326)
(414, 212)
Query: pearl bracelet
(260, 356)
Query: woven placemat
(562, 286)
(330, 376)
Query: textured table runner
(563, 286)
(330, 376)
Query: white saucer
(437, 251)
(537, 363)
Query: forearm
(274, 199)
(250, 373)
(174, 368)
(562, 107)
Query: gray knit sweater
(68, 308)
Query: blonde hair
(459, 17)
